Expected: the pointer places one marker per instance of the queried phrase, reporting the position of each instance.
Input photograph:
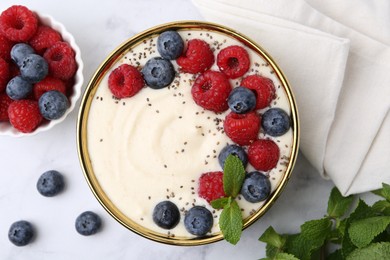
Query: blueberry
(53, 104)
(158, 72)
(50, 183)
(256, 187)
(19, 51)
(34, 68)
(88, 223)
(234, 150)
(241, 100)
(275, 122)
(166, 215)
(198, 221)
(170, 45)
(18, 88)
(21, 233)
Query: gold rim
(83, 118)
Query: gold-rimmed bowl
(90, 95)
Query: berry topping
(233, 61)
(5, 101)
(264, 89)
(21, 233)
(19, 51)
(211, 90)
(53, 104)
(243, 129)
(34, 68)
(275, 122)
(158, 72)
(256, 187)
(170, 45)
(50, 183)
(198, 221)
(263, 154)
(125, 81)
(88, 223)
(241, 100)
(211, 186)
(5, 47)
(47, 84)
(18, 23)
(62, 63)
(232, 149)
(24, 115)
(198, 57)
(44, 38)
(166, 215)
(18, 88)
(4, 74)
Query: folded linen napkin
(339, 70)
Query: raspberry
(263, 87)
(5, 101)
(47, 84)
(13, 70)
(211, 186)
(125, 81)
(263, 154)
(18, 23)
(44, 38)
(233, 61)
(24, 115)
(4, 74)
(5, 48)
(198, 57)
(243, 129)
(61, 60)
(69, 87)
(211, 91)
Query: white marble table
(99, 26)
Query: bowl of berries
(40, 72)
(187, 133)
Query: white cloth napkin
(336, 56)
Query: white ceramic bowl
(8, 129)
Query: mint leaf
(375, 251)
(233, 176)
(337, 234)
(338, 205)
(336, 255)
(384, 192)
(285, 256)
(297, 245)
(382, 206)
(362, 211)
(312, 237)
(271, 251)
(281, 256)
(347, 246)
(220, 203)
(230, 222)
(272, 238)
(363, 231)
(316, 231)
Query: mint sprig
(364, 234)
(230, 220)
